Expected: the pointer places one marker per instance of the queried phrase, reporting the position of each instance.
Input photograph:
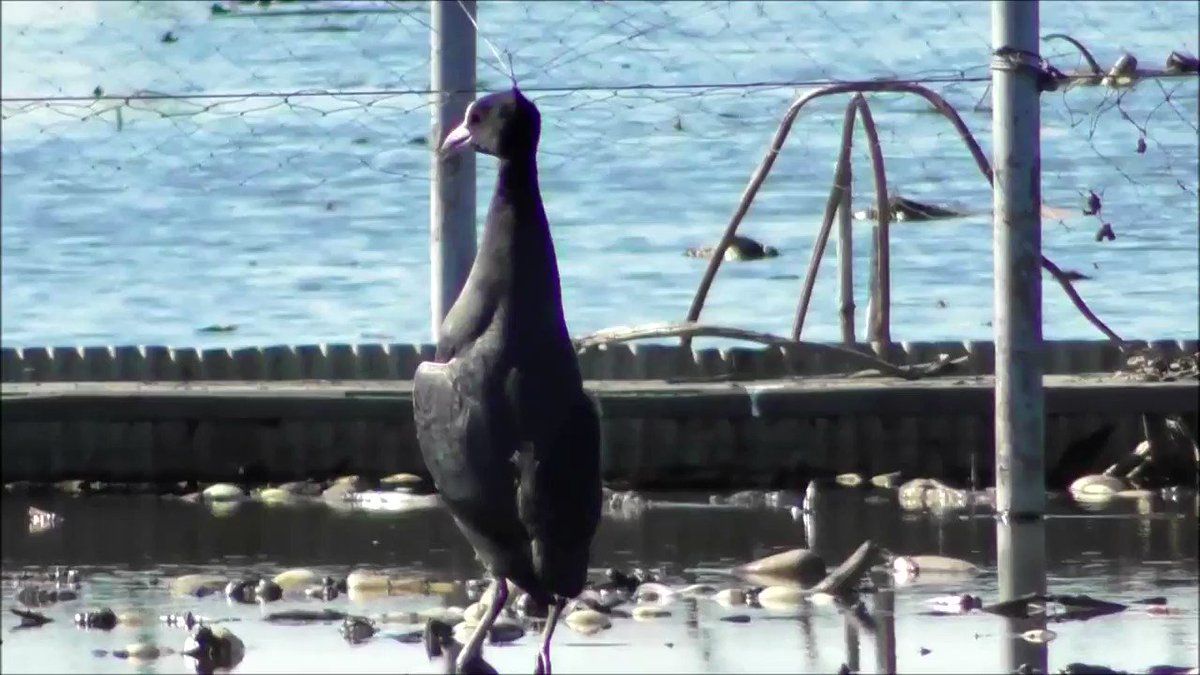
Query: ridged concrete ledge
(612, 362)
(656, 433)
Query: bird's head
(505, 124)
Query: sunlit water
(1121, 554)
(306, 220)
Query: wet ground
(127, 549)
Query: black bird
(508, 434)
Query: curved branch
(1087, 56)
(760, 175)
(781, 134)
(1079, 303)
(691, 330)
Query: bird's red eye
(473, 118)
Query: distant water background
(305, 219)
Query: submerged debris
(41, 521)
(103, 619)
(29, 618)
(740, 248)
(358, 629)
(214, 647)
(904, 209)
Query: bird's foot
(543, 663)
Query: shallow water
(1122, 553)
(306, 220)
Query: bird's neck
(516, 258)
(516, 246)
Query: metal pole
(1017, 245)
(845, 251)
(452, 188)
(1021, 559)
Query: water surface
(305, 219)
(1123, 553)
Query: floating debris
(740, 249)
(296, 579)
(903, 209)
(649, 612)
(198, 585)
(223, 492)
(218, 328)
(780, 598)
(30, 619)
(730, 597)
(301, 616)
(887, 481)
(907, 569)
(358, 629)
(140, 651)
(954, 604)
(214, 647)
(849, 480)
(1039, 635)
(41, 521)
(102, 619)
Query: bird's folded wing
(467, 450)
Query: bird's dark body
(506, 430)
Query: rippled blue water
(305, 220)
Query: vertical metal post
(845, 252)
(1017, 246)
(1021, 559)
(452, 187)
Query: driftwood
(693, 330)
(842, 580)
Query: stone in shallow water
(799, 563)
(587, 621)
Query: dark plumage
(508, 434)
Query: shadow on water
(127, 549)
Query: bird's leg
(474, 644)
(543, 659)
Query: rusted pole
(845, 251)
(841, 182)
(879, 321)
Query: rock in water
(223, 492)
(799, 563)
(587, 621)
(297, 579)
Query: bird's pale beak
(456, 140)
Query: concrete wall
(616, 362)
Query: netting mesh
(266, 164)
